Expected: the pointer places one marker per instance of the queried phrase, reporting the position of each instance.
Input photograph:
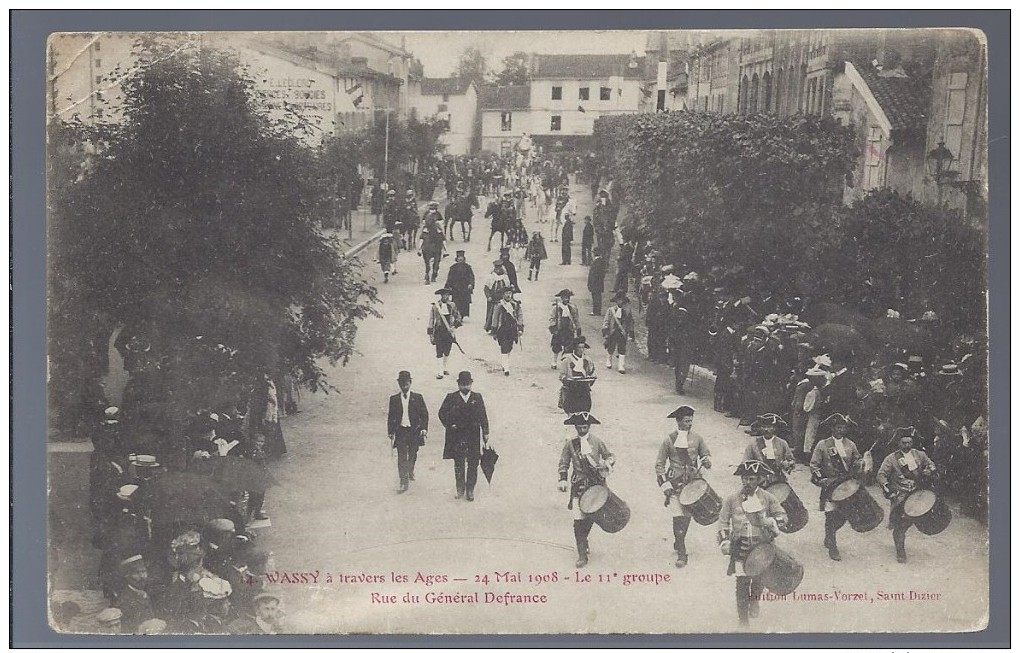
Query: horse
(460, 209)
(503, 219)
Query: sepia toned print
(715, 359)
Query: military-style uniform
(575, 372)
(444, 318)
(748, 518)
(507, 326)
(900, 474)
(564, 325)
(681, 457)
(833, 461)
(617, 329)
(588, 461)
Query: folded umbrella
(185, 497)
(488, 463)
(235, 474)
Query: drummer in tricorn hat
(590, 461)
(834, 460)
(682, 455)
(748, 518)
(902, 472)
(769, 449)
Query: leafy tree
(515, 70)
(472, 66)
(195, 226)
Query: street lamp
(940, 163)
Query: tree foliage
(515, 70)
(195, 226)
(472, 66)
(763, 193)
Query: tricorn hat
(682, 411)
(752, 468)
(577, 419)
(621, 295)
(566, 292)
(444, 291)
(581, 340)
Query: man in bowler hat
(467, 429)
(407, 425)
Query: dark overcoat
(466, 422)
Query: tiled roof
(504, 97)
(586, 66)
(444, 86)
(904, 100)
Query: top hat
(460, 253)
(464, 377)
(404, 375)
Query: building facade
(505, 117)
(453, 102)
(569, 92)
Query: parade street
(336, 509)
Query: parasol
(899, 333)
(185, 496)
(840, 339)
(235, 474)
(488, 463)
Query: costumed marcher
(588, 461)
(444, 318)
(617, 329)
(535, 254)
(431, 217)
(466, 421)
(387, 256)
(835, 459)
(902, 472)
(407, 424)
(511, 269)
(748, 518)
(769, 449)
(507, 325)
(577, 373)
(564, 325)
(408, 219)
(682, 455)
(494, 285)
(461, 280)
(432, 250)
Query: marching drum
(927, 511)
(778, 571)
(608, 510)
(857, 505)
(701, 501)
(796, 513)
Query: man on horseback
(460, 209)
(504, 216)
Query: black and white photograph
(715, 360)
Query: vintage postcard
(715, 360)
